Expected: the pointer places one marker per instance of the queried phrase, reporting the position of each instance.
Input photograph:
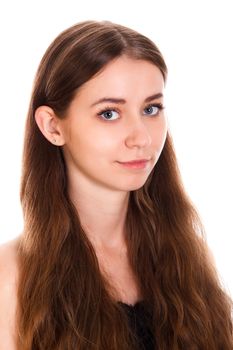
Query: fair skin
(98, 185)
(8, 290)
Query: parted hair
(65, 302)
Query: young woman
(113, 254)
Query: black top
(140, 320)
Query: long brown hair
(63, 298)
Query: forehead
(123, 76)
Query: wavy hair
(64, 301)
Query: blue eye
(107, 114)
(156, 107)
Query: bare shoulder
(8, 291)
(9, 261)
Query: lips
(135, 164)
(136, 161)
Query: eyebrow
(121, 100)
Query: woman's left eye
(156, 108)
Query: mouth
(136, 164)
(135, 161)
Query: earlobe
(48, 125)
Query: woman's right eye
(107, 114)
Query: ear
(48, 124)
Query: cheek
(159, 134)
(93, 141)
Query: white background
(196, 40)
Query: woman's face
(99, 135)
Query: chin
(131, 187)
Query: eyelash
(109, 108)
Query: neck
(102, 214)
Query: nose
(138, 134)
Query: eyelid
(159, 105)
(108, 108)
